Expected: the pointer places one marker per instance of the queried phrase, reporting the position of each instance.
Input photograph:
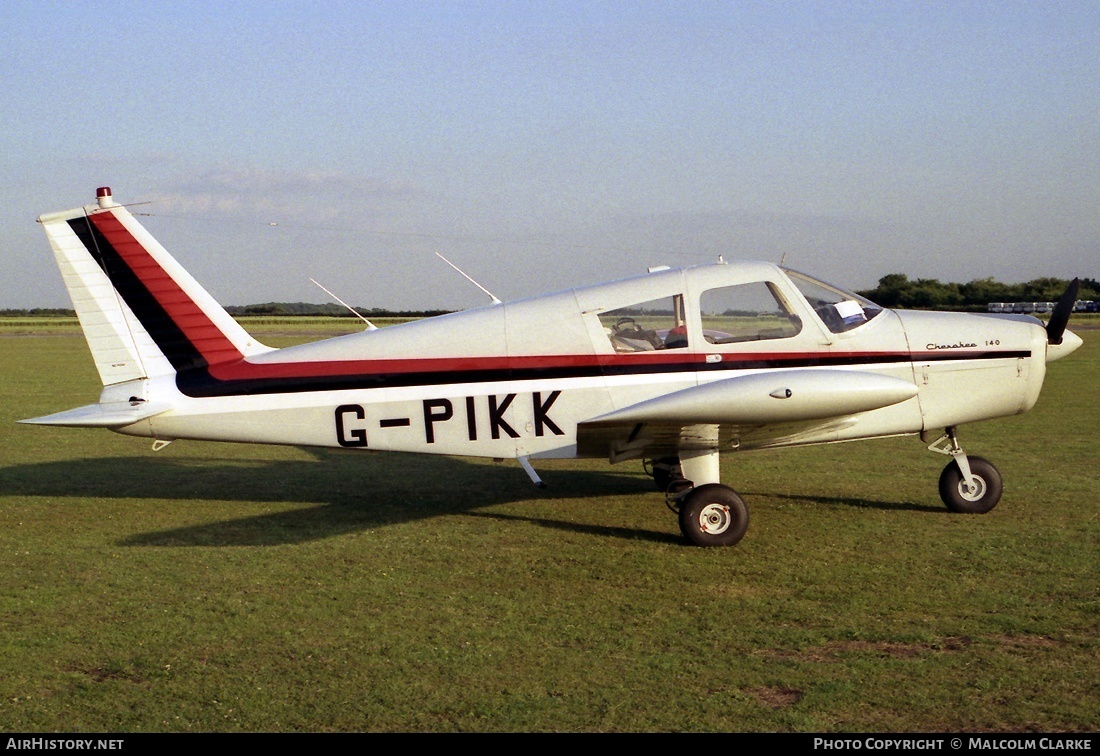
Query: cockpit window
(840, 310)
(746, 312)
(647, 326)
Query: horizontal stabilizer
(772, 397)
(107, 415)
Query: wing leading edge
(766, 406)
(781, 396)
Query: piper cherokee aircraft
(672, 368)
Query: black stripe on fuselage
(179, 350)
(201, 384)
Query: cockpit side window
(647, 326)
(839, 310)
(746, 312)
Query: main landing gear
(710, 514)
(968, 485)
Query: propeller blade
(1056, 326)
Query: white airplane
(672, 368)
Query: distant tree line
(898, 290)
(39, 312)
(326, 310)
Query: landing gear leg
(968, 485)
(668, 475)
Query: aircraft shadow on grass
(343, 493)
(852, 501)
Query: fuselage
(533, 377)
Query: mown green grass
(223, 587)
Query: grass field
(221, 587)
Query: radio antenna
(463, 274)
(370, 326)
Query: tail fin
(142, 314)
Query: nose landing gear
(968, 485)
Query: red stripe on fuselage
(244, 370)
(207, 339)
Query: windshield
(840, 310)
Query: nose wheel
(978, 496)
(968, 485)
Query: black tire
(984, 498)
(713, 515)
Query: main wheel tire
(713, 515)
(987, 487)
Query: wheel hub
(715, 518)
(974, 493)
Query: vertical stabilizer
(142, 314)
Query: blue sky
(544, 145)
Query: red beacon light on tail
(103, 195)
